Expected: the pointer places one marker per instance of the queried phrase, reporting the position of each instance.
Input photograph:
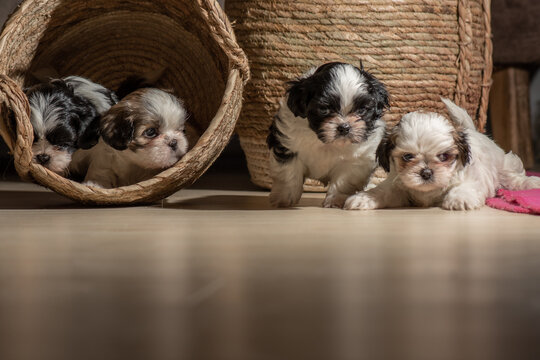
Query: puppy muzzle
(426, 174)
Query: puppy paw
(284, 199)
(463, 199)
(334, 201)
(93, 184)
(360, 201)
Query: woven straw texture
(108, 40)
(421, 49)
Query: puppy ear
(89, 135)
(462, 142)
(85, 118)
(458, 115)
(298, 97)
(384, 151)
(460, 120)
(117, 128)
(380, 95)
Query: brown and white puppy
(141, 135)
(435, 161)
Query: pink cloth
(522, 201)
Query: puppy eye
(324, 111)
(443, 157)
(63, 146)
(150, 133)
(407, 157)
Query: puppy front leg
(99, 177)
(338, 192)
(287, 182)
(465, 196)
(385, 195)
(344, 184)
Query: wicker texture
(421, 49)
(108, 40)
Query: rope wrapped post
(421, 50)
(109, 40)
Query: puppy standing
(327, 128)
(65, 115)
(141, 135)
(433, 161)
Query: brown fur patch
(462, 145)
(386, 146)
(123, 125)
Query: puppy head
(340, 101)
(425, 149)
(149, 125)
(62, 122)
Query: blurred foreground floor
(217, 274)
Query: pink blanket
(523, 201)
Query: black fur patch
(61, 135)
(76, 118)
(280, 152)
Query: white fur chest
(325, 161)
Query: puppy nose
(426, 174)
(43, 158)
(173, 144)
(344, 129)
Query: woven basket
(108, 40)
(421, 49)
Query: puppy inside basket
(108, 139)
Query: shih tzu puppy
(65, 115)
(140, 136)
(435, 161)
(327, 128)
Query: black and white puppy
(65, 115)
(436, 161)
(141, 135)
(327, 128)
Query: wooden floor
(217, 274)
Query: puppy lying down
(435, 161)
(140, 136)
(65, 115)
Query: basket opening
(107, 41)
